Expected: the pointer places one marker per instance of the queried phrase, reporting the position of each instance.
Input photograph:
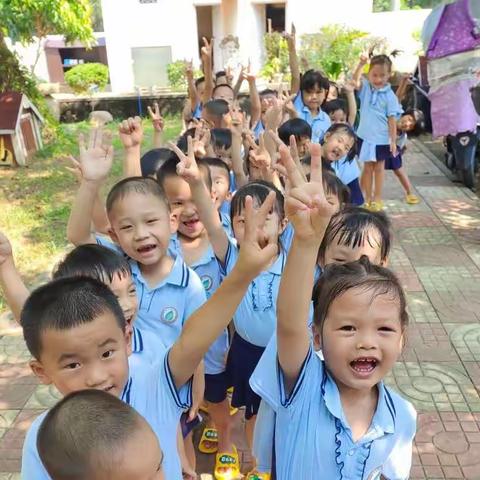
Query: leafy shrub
(334, 50)
(276, 50)
(82, 77)
(176, 75)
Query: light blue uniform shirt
(146, 349)
(346, 171)
(152, 393)
(320, 123)
(258, 129)
(376, 105)
(311, 416)
(208, 269)
(256, 316)
(164, 309)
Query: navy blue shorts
(382, 151)
(242, 359)
(356, 195)
(216, 387)
(394, 163)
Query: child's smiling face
(337, 145)
(378, 75)
(124, 289)
(361, 337)
(92, 355)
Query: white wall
(129, 24)
(27, 55)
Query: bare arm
(158, 126)
(14, 290)
(293, 59)
(309, 212)
(204, 325)
(255, 105)
(392, 134)
(351, 102)
(402, 88)
(192, 90)
(357, 73)
(239, 83)
(95, 162)
(188, 169)
(237, 160)
(206, 53)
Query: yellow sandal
(209, 435)
(227, 466)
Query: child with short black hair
(302, 132)
(216, 114)
(347, 418)
(152, 160)
(71, 445)
(76, 332)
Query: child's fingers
(174, 148)
(157, 109)
(316, 163)
(294, 173)
(274, 136)
(301, 196)
(264, 210)
(150, 112)
(294, 205)
(107, 140)
(250, 227)
(261, 142)
(281, 169)
(190, 151)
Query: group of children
(248, 257)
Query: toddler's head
(200, 86)
(140, 220)
(106, 266)
(355, 232)
(275, 222)
(336, 192)
(152, 160)
(93, 435)
(216, 113)
(412, 122)
(179, 196)
(360, 320)
(336, 110)
(268, 98)
(339, 141)
(76, 332)
(333, 91)
(302, 132)
(220, 174)
(314, 87)
(221, 139)
(225, 92)
(380, 70)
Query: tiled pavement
(437, 256)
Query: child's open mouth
(364, 366)
(146, 249)
(191, 224)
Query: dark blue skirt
(393, 162)
(382, 151)
(242, 360)
(216, 387)
(356, 195)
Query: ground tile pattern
(436, 254)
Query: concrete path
(437, 256)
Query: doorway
(275, 14)
(204, 24)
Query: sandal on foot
(376, 207)
(227, 465)
(412, 199)
(209, 441)
(254, 475)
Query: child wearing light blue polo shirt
(76, 332)
(350, 424)
(377, 130)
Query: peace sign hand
(306, 205)
(187, 167)
(156, 118)
(96, 156)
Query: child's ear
(228, 198)
(317, 338)
(173, 223)
(384, 262)
(39, 371)
(128, 339)
(113, 235)
(283, 225)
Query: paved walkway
(437, 256)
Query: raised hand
(206, 50)
(258, 249)
(259, 155)
(96, 155)
(187, 167)
(6, 253)
(156, 118)
(189, 69)
(306, 205)
(349, 86)
(131, 132)
(363, 58)
(291, 37)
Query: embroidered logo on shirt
(207, 282)
(169, 315)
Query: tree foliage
(334, 50)
(276, 50)
(22, 20)
(82, 78)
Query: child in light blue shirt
(76, 332)
(377, 130)
(350, 424)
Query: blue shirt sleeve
(394, 109)
(195, 293)
(32, 466)
(230, 258)
(106, 242)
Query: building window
(148, 1)
(389, 5)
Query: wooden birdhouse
(20, 124)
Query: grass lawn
(35, 201)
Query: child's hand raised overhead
(157, 120)
(306, 205)
(187, 167)
(258, 249)
(131, 132)
(6, 253)
(206, 50)
(259, 155)
(96, 157)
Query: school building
(141, 37)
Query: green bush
(334, 50)
(276, 61)
(176, 75)
(82, 77)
